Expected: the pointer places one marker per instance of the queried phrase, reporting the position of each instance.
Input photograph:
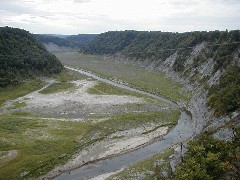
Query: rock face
(195, 78)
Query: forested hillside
(81, 39)
(188, 54)
(65, 43)
(46, 39)
(21, 56)
(110, 42)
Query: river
(181, 132)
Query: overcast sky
(97, 16)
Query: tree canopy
(21, 56)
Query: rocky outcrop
(194, 80)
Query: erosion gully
(182, 131)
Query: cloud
(95, 16)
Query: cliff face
(206, 63)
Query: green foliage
(73, 41)
(224, 97)
(110, 42)
(158, 46)
(21, 56)
(106, 89)
(63, 82)
(124, 121)
(208, 158)
(183, 54)
(21, 89)
(135, 76)
(58, 87)
(40, 145)
(18, 104)
(81, 40)
(142, 167)
(52, 39)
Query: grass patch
(18, 104)
(68, 75)
(41, 144)
(13, 92)
(106, 89)
(63, 82)
(58, 87)
(20, 113)
(134, 75)
(142, 167)
(132, 120)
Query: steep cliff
(207, 63)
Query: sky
(97, 16)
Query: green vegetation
(72, 41)
(208, 158)
(146, 165)
(130, 74)
(22, 57)
(40, 144)
(15, 91)
(68, 75)
(160, 45)
(153, 48)
(103, 89)
(81, 40)
(58, 87)
(106, 89)
(63, 83)
(182, 56)
(130, 120)
(18, 104)
(110, 42)
(224, 97)
(46, 39)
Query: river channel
(181, 132)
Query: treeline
(46, 39)
(160, 45)
(81, 40)
(21, 56)
(110, 42)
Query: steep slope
(21, 56)
(208, 64)
(199, 58)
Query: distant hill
(81, 40)
(64, 42)
(54, 43)
(21, 56)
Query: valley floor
(83, 122)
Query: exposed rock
(164, 174)
(224, 134)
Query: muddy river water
(181, 132)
